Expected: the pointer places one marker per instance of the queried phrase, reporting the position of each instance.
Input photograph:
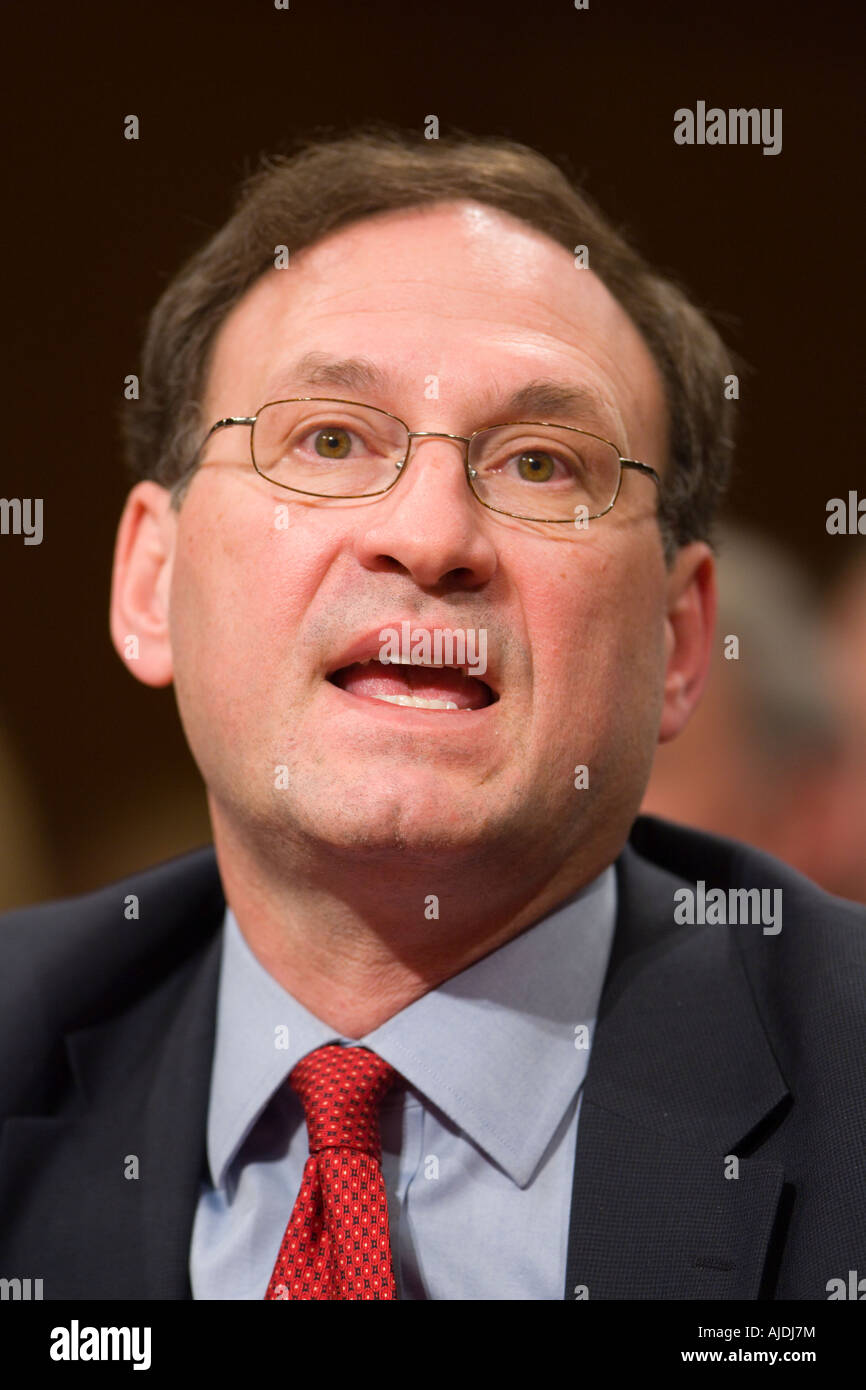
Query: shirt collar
(500, 1049)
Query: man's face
(269, 591)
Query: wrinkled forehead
(460, 295)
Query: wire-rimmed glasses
(321, 446)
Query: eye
(535, 465)
(333, 442)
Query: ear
(689, 630)
(140, 584)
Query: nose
(429, 525)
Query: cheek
(232, 613)
(600, 623)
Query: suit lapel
(176, 1133)
(680, 1076)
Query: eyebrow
(536, 399)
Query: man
(429, 1022)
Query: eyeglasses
(530, 470)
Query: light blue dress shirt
(478, 1148)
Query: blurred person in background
(844, 868)
(760, 759)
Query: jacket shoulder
(692, 856)
(73, 952)
(803, 950)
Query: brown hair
(295, 200)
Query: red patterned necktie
(337, 1244)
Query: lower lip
(452, 722)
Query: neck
(355, 938)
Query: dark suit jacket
(712, 1041)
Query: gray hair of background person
(769, 602)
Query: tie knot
(341, 1089)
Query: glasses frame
(465, 439)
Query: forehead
(459, 292)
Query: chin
(377, 822)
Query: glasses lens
(543, 472)
(328, 448)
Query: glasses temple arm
(641, 468)
(221, 425)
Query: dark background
(99, 778)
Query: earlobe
(689, 631)
(141, 583)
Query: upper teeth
(401, 661)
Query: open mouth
(415, 686)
